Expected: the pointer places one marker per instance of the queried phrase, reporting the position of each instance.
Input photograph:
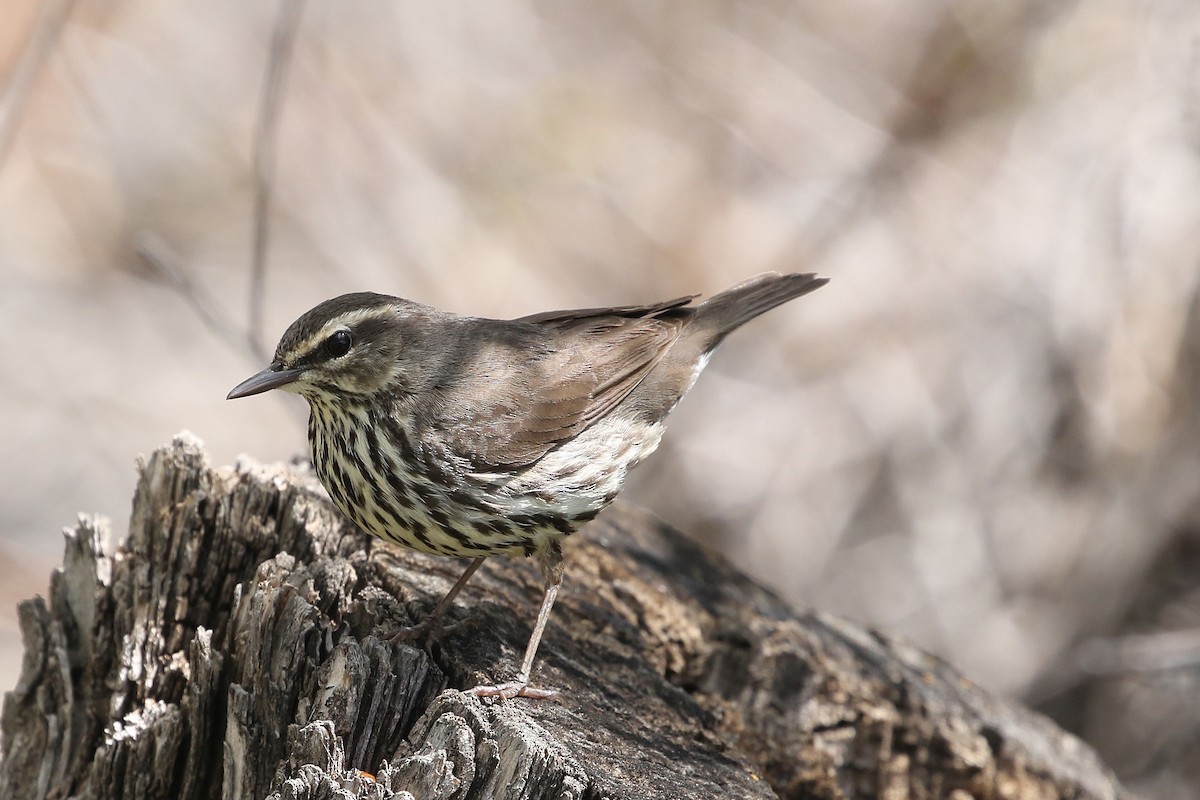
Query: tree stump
(233, 646)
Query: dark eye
(338, 344)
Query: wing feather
(567, 370)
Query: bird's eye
(338, 344)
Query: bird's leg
(431, 627)
(551, 563)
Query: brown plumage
(472, 437)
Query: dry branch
(231, 647)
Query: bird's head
(350, 345)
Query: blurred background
(981, 435)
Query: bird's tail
(730, 309)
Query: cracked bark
(231, 647)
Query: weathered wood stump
(232, 647)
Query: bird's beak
(272, 377)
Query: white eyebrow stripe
(346, 320)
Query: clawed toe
(432, 628)
(410, 633)
(428, 632)
(507, 691)
(406, 634)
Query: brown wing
(573, 317)
(563, 371)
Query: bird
(473, 437)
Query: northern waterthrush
(473, 437)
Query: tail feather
(714, 319)
(723, 313)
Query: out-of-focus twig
(163, 262)
(287, 24)
(1122, 655)
(1142, 652)
(955, 81)
(45, 33)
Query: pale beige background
(979, 435)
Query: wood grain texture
(232, 647)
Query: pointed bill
(272, 377)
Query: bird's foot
(517, 688)
(427, 632)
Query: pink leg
(432, 624)
(551, 563)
